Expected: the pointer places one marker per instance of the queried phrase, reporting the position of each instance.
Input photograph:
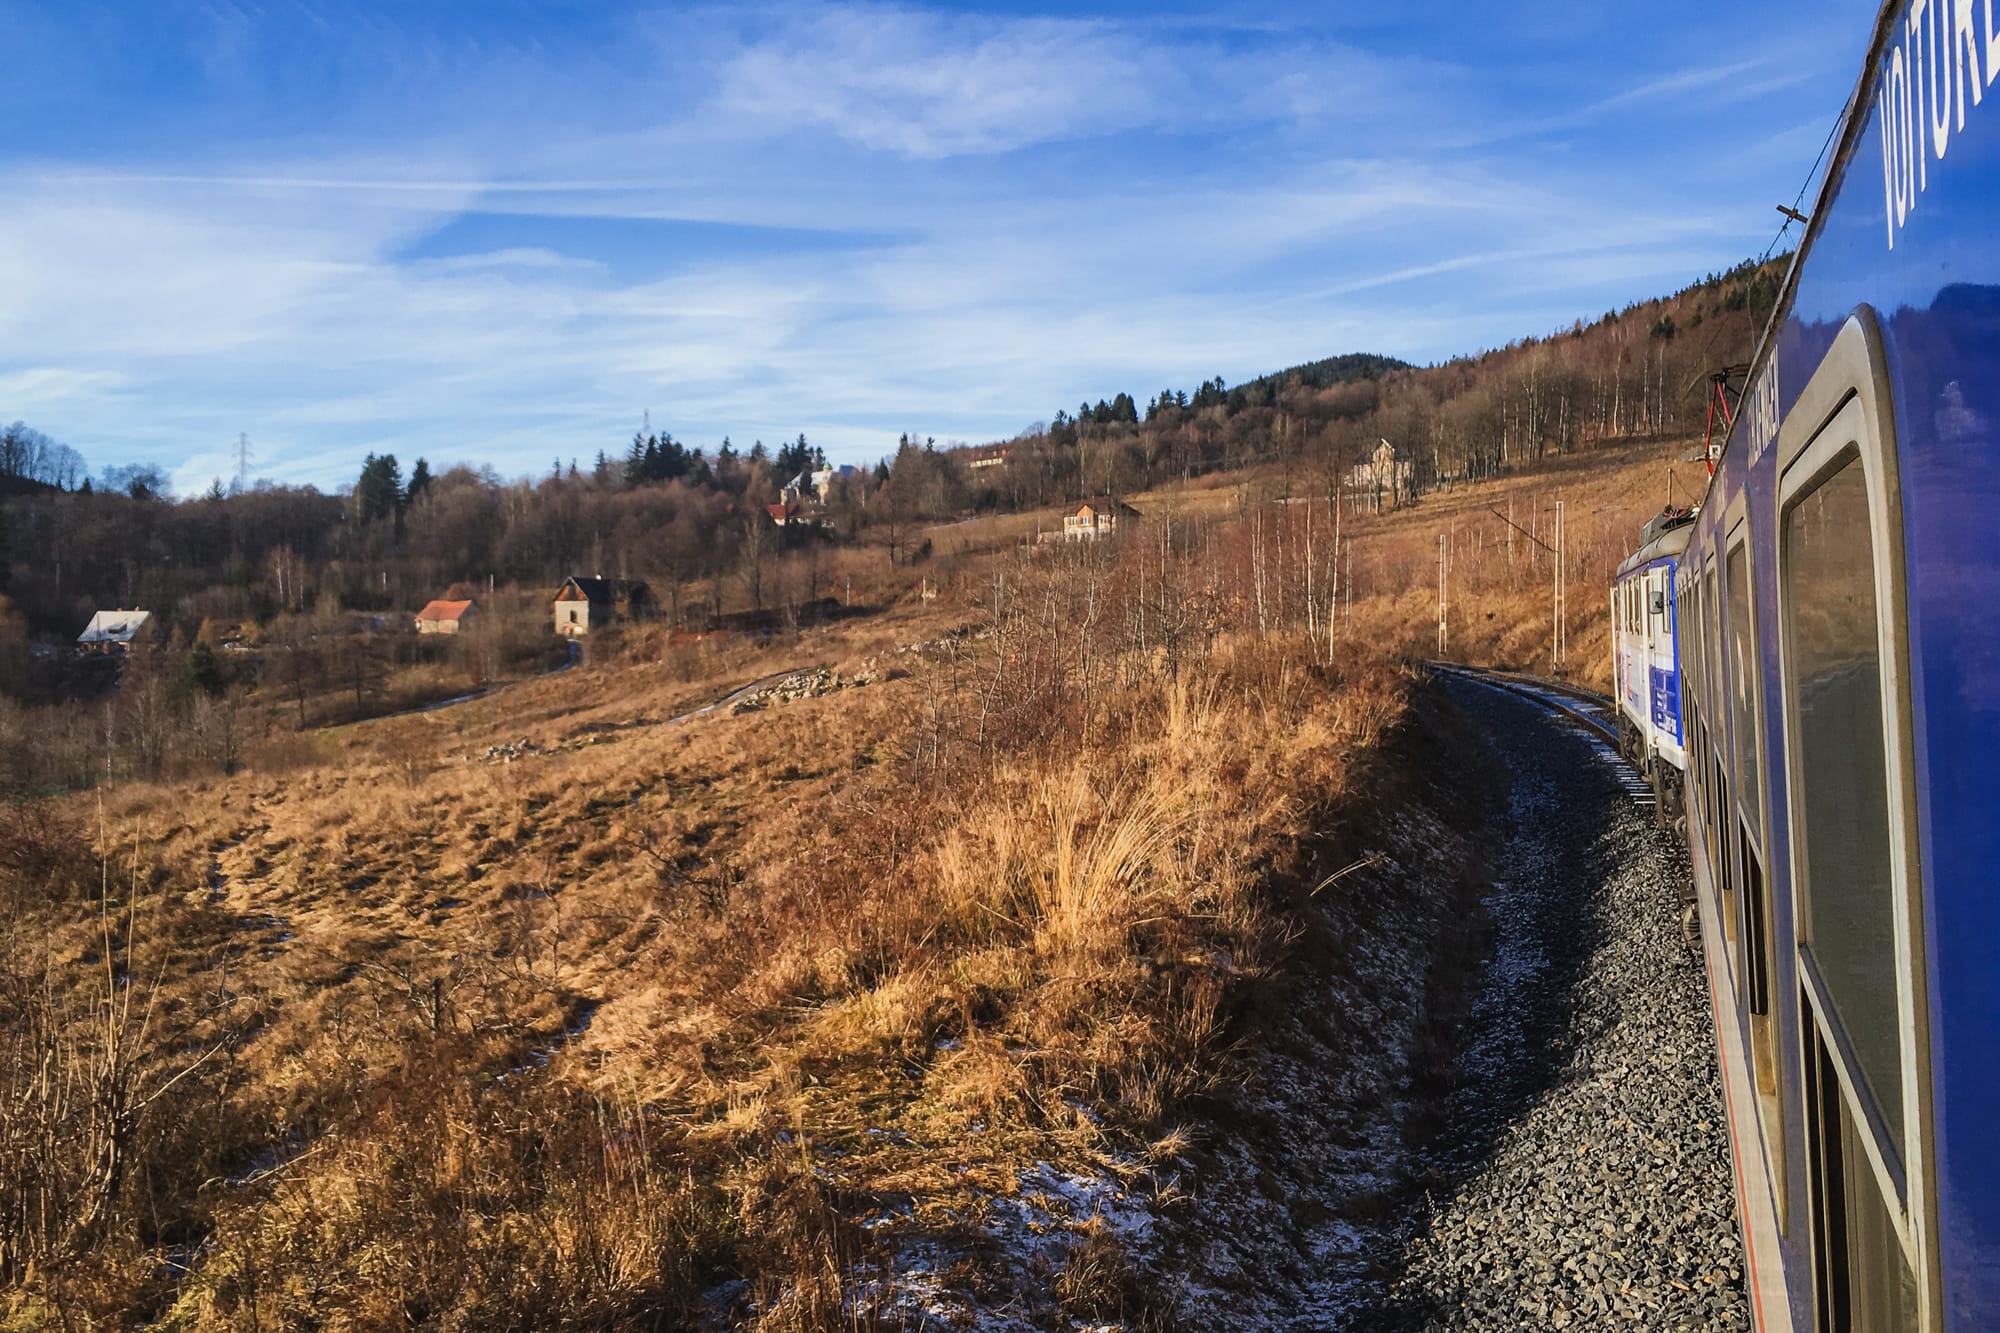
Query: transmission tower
(243, 455)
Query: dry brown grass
(571, 1039)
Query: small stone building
(588, 603)
(443, 617)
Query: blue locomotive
(1825, 668)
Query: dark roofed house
(588, 603)
(443, 617)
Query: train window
(1743, 686)
(1843, 799)
(1720, 851)
(1699, 656)
(1755, 963)
(1851, 776)
(1868, 1284)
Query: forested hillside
(693, 521)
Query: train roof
(1671, 543)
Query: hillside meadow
(551, 1009)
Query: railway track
(1593, 713)
(1588, 708)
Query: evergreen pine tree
(379, 492)
(635, 461)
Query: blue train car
(1645, 651)
(1840, 656)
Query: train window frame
(1844, 417)
(1740, 537)
(1693, 709)
(1699, 763)
(1720, 853)
(1750, 852)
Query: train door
(1744, 831)
(1863, 1010)
(1663, 681)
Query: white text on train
(1931, 70)
(1761, 411)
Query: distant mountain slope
(1332, 370)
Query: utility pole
(1558, 648)
(1444, 604)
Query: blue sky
(500, 231)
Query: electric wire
(1811, 173)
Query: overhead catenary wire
(1792, 213)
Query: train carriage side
(1645, 639)
(1840, 670)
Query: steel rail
(1582, 706)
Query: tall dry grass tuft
(1103, 846)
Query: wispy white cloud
(931, 85)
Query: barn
(443, 617)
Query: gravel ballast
(1584, 1180)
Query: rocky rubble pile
(508, 751)
(799, 685)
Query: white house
(114, 629)
(819, 483)
(1385, 476)
(1097, 517)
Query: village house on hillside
(986, 456)
(588, 603)
(116, 629)
(1087, 520)
(818, 484)
(443, 617)
(786, 514)
(1386, 476)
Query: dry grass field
(560, 1007)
